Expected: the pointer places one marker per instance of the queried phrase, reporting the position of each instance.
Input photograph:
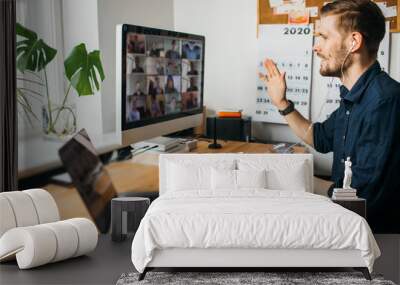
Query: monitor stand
(215, 144)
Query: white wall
(231, 48)
(81, 25)
(151, 13)
(231, 57)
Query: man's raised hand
(276, 84)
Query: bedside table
(358, 206)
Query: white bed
(201, 219)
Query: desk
(140, 174)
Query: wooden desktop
(140, 175)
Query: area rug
(243, 278)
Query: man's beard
(336, 60)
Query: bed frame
(242, 259)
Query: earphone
(345, 58)
(353, 43)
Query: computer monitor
(160, 78)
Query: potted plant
(83, 70)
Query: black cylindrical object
(126, 214)
(215, 144)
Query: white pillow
(251, 178)
(223, 179)
(236, 179)
(189, 176)
(282, 174)
(294, 178)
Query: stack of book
(344, 194)
(229, 113)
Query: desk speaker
(236, 129)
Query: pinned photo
(299, 16)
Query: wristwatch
(289, 109)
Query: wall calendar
(290, 47)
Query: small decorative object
(347, 174)
(347, 192)
(83, 70)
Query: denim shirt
(366, 128)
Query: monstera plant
(83, 70)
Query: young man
(366, 126)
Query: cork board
(266, 15)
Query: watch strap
(289, 109)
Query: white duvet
(250, 219)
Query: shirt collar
(356, 92)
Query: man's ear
(356, 41)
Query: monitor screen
(162, 75)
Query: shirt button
(347, 113)
(344, 137)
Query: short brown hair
(362, 16)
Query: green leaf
(32, 53)
(83, 70)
